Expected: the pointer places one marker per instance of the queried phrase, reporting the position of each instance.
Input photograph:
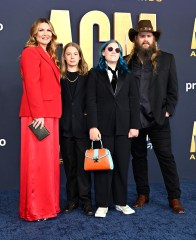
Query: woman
(113, 116)
(73, 129)
(41, 104)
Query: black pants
(113, 183)
(160, 137)
(78, 184)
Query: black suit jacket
(108, 111)
(163, 89)
(73, 122)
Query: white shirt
(110, 74)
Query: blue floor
(154, 222)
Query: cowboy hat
(143, 26)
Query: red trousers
(39, 172)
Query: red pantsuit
(39, 172)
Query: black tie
(114, 78)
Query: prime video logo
(1, 26)
(190, 86)
(2, 142)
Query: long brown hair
(153, 57)
(82, 65)
(52, 46)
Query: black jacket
(163, 89)
(108, 111)
(73, 122)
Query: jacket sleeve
(91, 100)
(134, 104)
(172, 88)
(30, 71)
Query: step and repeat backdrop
(90, 23)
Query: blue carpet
(154, 222)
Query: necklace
(72, 81)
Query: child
(74, 138)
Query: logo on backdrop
(193, 141)
(190, 86)
(193, 43)
(149, 0)
(2, 142)
(1, 26)
(122, 24)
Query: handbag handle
(100, 143)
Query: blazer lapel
(67, 88)
(79, 84)
(105, 79)
(50, 61)
(120, 82)
(155, 74)
(107, 82)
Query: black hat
(143, 26)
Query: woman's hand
(94, 134)
(38, 122)
(133, 133)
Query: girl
(73, 129)
(113, 116)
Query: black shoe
(70, 207)
(88, 210)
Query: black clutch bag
(39, 133)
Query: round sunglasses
(110, 49)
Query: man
(155, 74)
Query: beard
(145, 53)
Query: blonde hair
(153, 57)
(82, 65)
(52, 46)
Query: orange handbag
(98, 159)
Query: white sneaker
(101, 212)
(125, 209)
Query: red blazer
(41, 84)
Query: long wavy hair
(121, 64)
(51, 47)
(82, 65)
(153, 57)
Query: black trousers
(78, 185)
(113, 183)
(160, 137)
